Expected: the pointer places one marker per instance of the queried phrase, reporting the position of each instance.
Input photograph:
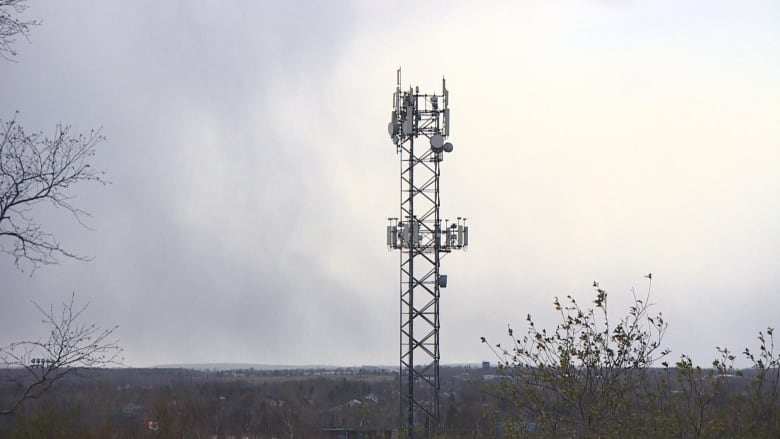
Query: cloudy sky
(252, 173)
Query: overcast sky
(252, 173)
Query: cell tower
(423, 241)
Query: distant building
(486, 364)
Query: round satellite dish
(437, 141)
(407, 127)
(448, 147)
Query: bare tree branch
(71, 345)
(37, 169)
(13, 27)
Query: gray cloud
(251, 174)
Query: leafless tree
(35, 366)
(12, 26)
(36, 169)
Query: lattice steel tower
(419, 126)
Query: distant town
(225, 401)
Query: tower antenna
(419, 127)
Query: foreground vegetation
(592, 376)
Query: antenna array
(423, 241)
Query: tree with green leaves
(581, 378)
(594, 376)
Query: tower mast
(419, 126)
